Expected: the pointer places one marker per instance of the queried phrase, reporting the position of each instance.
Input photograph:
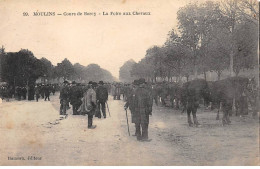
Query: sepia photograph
(129, 83)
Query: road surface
(33, 132)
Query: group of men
(31, 92)
(91, 100)
(85, 99)
(44, 91)
(5, 92)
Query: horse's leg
(163, 101)
(156, 100)
(184, 108)
(217, 118)
(224, 108)
(227, 109)
(194, 111)
(177, 104)
(189, 118)
(172, 101)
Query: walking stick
(108, 110)
(127, 122)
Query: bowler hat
(94, 84)
(136, 82)
(142, 81)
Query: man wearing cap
(143, 109)
(64, 98)
(102, 96)
(89, 104)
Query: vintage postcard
(129, 83)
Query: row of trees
(23, 68)
(211, 36)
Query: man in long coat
(130, 102)
(89, 103)
(37, 92)
(64, 98)
(142, 110)
(47, 92)
(75, 97)
(102, 96)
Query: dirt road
(33, 132)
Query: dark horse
(192, 92)
(228, 91)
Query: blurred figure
(64, 98)
(42, 91)
(37, 92)
(47, 92)
(102, 96)
(31, 92)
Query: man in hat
(89, 104)
(143, 109)
(131, 103)
(37, 92)
(42, 91)
(47, 92)
(75, 97)
(64, 98)
(102, 96)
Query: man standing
(37, 92)
(142, 109)
(102, 96)
(47, 92)
(130, 102)
(42, 91)
(64, 98)
(75, 98)
(89, 104)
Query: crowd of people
(91, 99)
(30, 92)
(87, 99)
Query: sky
(108, 41)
